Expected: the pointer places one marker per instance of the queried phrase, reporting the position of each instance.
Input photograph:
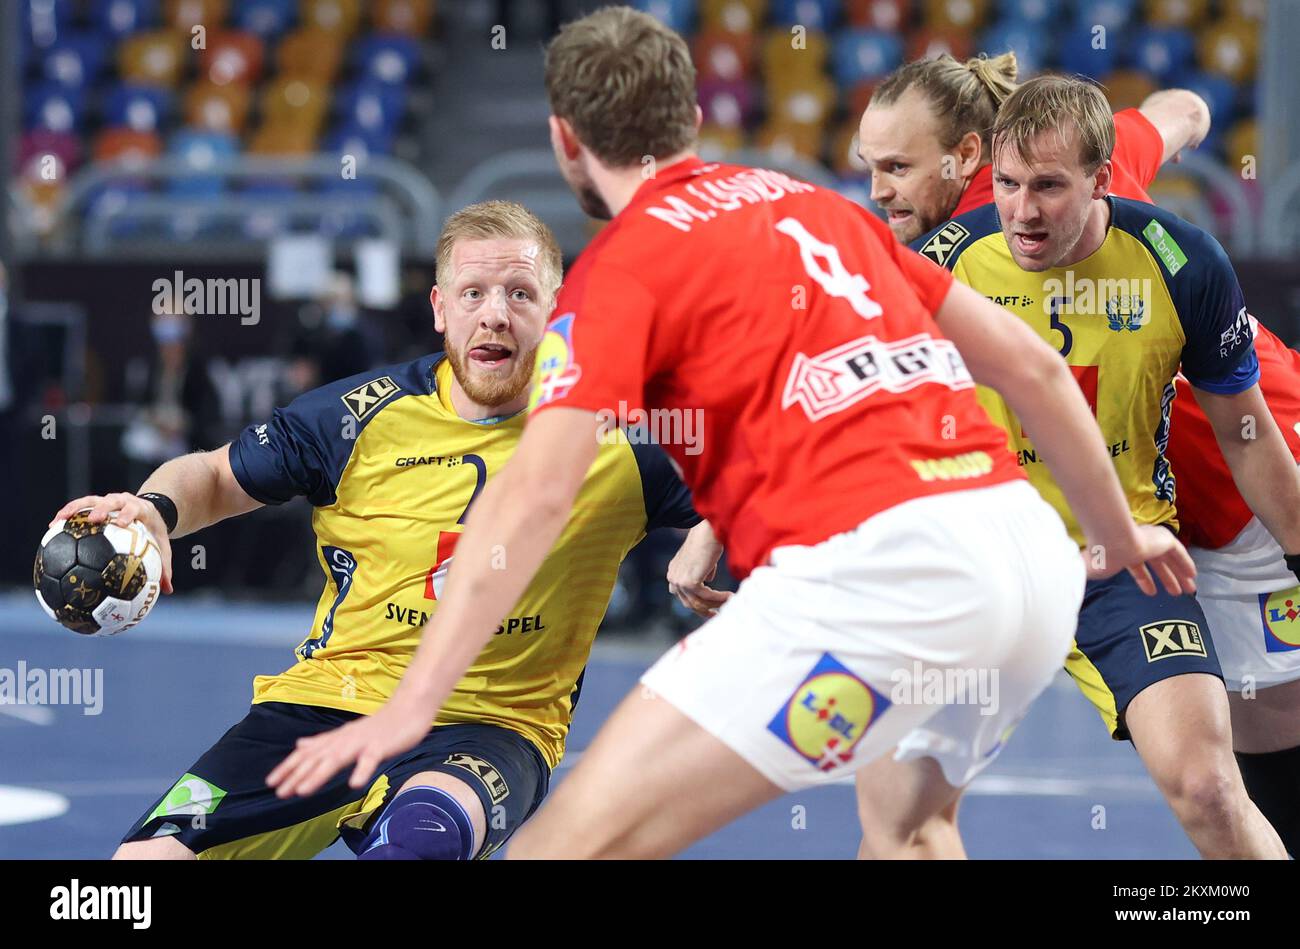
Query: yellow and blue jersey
(1158, 292)
(392, 471)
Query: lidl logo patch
(555, 372)
(1172, 638)
(828, 713)
(190, 795)
(1280, 613)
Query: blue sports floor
(174, 684)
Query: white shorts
(932, 626)
(1252, 603)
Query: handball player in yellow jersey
(391, 461)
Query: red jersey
(785, 325)
(1134, 163)
(1211, 511)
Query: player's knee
(421, 823)
(1207, 794)
(159, 848)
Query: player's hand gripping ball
(97, 579)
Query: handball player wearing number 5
(812, 343)
(391, 461)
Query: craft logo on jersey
(556, 372)
(1170, 637)
(1126, 312)
(940, 247)
(827, 715)
(1281, 615)
(843, 376)
(364, 399)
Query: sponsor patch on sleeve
(944, 244)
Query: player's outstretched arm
(1180, 116)
(1261, 464)
(1003, 352)
(201, 485)
(511, 528)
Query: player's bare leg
(1267, 721)
(651, 783)
(1266, 738)
(908, 811)
(458, 789)
(159, 848)
(1181, 728)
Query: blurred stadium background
(317, 145)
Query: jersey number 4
(834, 278)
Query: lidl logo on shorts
(1172, 637)
(491, 778)
(1280, 613)
(827, 715)
(190, 795)
(555, 372)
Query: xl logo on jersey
(940, 248)
(1280, 613)
(556, 372)
(1126, 313)
(491, 778)
(1168, 638)
(364, 399)
(828, 713)
(843, 376)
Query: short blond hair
(1057, 104)
(626, 84)
(963, 97)
(493, 219)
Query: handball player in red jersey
(877, 521)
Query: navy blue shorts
(1127, 641)
(222, 808)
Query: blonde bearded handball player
(493, 289)
(638, 815)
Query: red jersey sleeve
(1138, 146)
(595, 350)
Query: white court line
(31, 714)
(26, 805)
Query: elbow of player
(1196, 113)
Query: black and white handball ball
(97, 579)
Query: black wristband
(1293, 564)
(166, 507)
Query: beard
(493, 390)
